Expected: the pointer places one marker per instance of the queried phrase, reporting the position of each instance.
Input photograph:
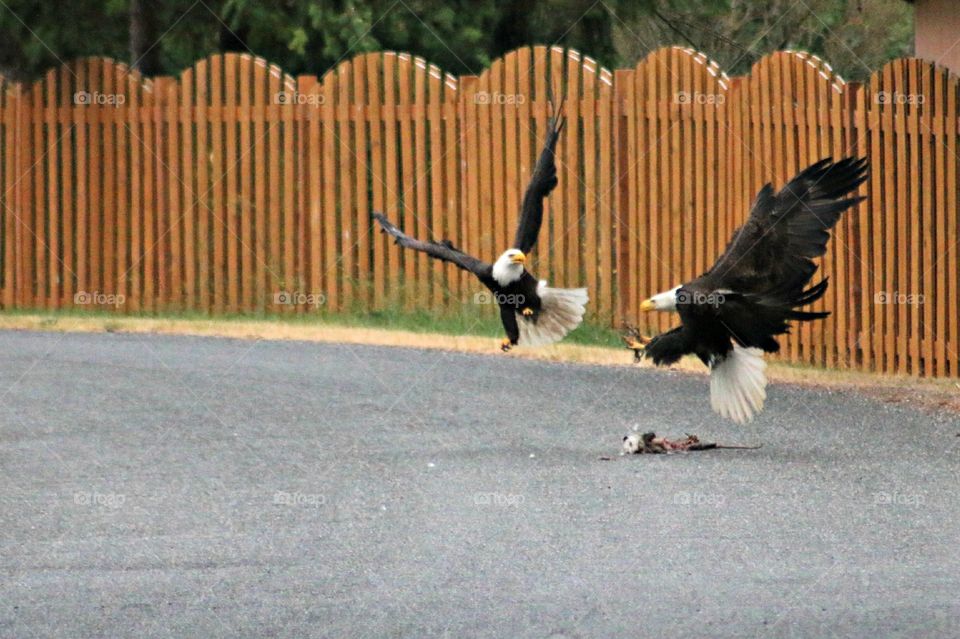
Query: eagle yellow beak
(519, 258)
(647, 305)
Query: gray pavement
(195, 487)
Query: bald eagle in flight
(532, 313)
(731, 314)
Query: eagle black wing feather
(544, 180)
(786, 230)
(444, 250)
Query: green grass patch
(467, 322)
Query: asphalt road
(177, 486)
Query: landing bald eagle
(532, 313)
(731, 313)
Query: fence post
(623, 308)
(13, 143)
(856, 324)
(469, 200)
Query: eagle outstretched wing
(759, 283)
(785, 231)
(443, 250)
(543, 181)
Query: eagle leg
(636, 342)
(527, 312)
(506, 344)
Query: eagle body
(517, 295)
(518, 301)
(532, 313)
(732, 314)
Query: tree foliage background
(461, 36)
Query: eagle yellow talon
(527, 312)
(637, 343)
(505, 344)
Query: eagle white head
(666, 301)
(509, 267)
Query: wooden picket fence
(236, 188)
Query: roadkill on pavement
(650, 444)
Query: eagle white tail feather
(738, 384)
(561, 311)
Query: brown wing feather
(544, 180)
(444, 250)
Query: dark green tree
(461, 36)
